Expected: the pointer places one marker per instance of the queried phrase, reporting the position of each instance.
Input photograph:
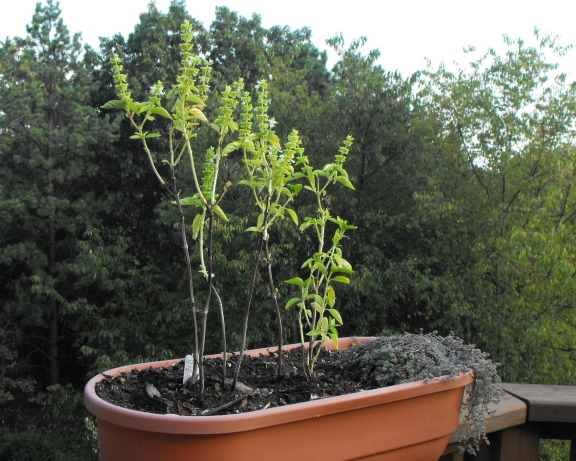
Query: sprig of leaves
(318, 317)
(270, 172)
(184, 106)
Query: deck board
(551, 404)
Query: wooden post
(519, 443)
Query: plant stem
(208, 296)
(320, 232)
(188, 263)
(223, 329)
(277, 307)
(247, 313)
(193, 169)
(147, 150)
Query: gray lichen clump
(404, 358)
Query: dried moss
(412, 357)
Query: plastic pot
(407, 422)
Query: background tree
(50, 138)
(374, 107)
(464, 204)
(130, 262)
(46, 200)
(499, 206)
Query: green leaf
(197, 225)
(291, 302)
(248, 145)
(342, 262)
(274, 140)
(341, 279)
(318, 307)
(331, 296)
(336, 315)
(136, 107)
(293, 215)
(296, 188)
(115, 104)
(295, 281)
(315, 332)
(253, 229)
(195, 99)
(231, 148)
(344, 270)
(220, 213)
(319, 299)
(344, 180)
(197, 113)
(232, 125)
(321, 267)
(307, 263)
(161, 111)
(191, 201)
(334, 338)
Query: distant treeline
(465, 207)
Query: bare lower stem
(277, 308)
(188, 263)
(247, 313)
(223, 329)
(208, 298)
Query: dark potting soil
(160, 390)
(384, 361)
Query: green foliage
(554, 450)
(31, 447)
(269, 170)
(500, 193)
(11, 380)
(46, 200)
(71, 427)
(317, 316)
(187, 101)
(374, 107)
(136, 311)
(464, 193)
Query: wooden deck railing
(526, 413)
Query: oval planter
(406, 422)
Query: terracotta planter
(407, 422)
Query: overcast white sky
(406, 32)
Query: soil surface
(160, 390)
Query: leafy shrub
(31, 446)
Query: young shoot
(270, 172)
(184, 108)
(318, 317)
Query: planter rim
(219, 424)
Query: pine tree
(49, 133)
